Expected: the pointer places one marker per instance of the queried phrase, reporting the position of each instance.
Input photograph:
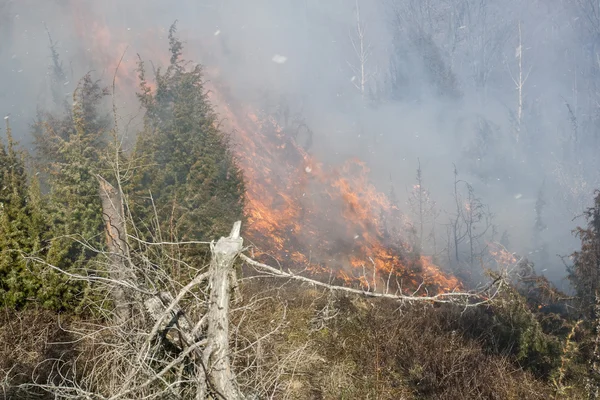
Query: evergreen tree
(585, 279)
(439, 75)
(585, 272)
(25, 231)
(187, 172)
(539, 225)
(71, 150)
(422, 207)
(417, 51)
(14, 287)
(395, 85)
(505, 239)
(57, 75)
(540, 245)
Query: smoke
(442, 87)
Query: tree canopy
(186, 172)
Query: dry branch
(138, 366)
(470, 299)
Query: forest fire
(299, 199)
(329, 221)
(321, 219)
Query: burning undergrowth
(328, 220)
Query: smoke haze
(441, 88)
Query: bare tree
(519, 79)
(423, 208)
(177, 342)
(471, 222)
(478, 221)
(457, 223)
(222, 280)
(139, 365)
(362, 50)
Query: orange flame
(318, 218)
(303, 213)
(501, 255)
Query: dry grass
(346, 348)
(291, 341)
(34, 347)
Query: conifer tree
(187, 172)
(14, 287)
(585, 272)
(25, 231)
(71, 150)
(585, 279)
(57, 76)
(539, 227)
(422, 207)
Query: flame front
(330, 221)
(318, 218)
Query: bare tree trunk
(362, 50)
(217, 349)
(214, 360)
(112, 213)
(456, 225)
(214, 374)
(520, 85)
(519, 80)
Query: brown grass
(291, 341)
(370, 349)
(34, 347)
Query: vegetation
(289, 340)
(71, 150)
(585, 272)
(186, 172)
(27, 229)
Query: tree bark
(218, 365)
(214, 376)
(114, 227)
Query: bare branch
(452, 297)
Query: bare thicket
(469, 225)
(473, 26)
(569, 172)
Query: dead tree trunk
(210, 336)
(114, 227)
(217, 349)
